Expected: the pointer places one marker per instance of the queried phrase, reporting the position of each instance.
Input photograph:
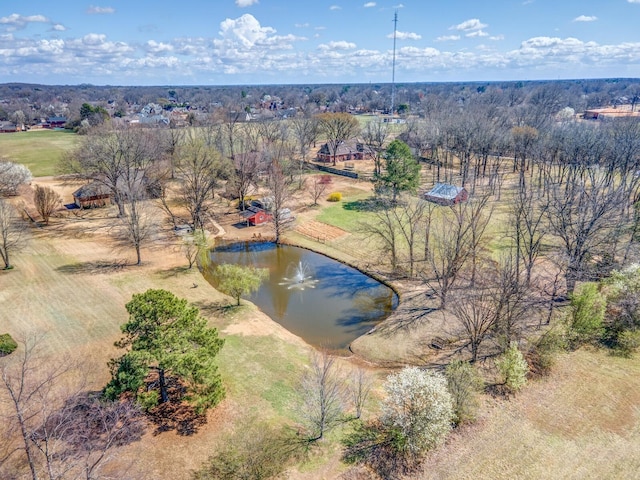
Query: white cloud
(15, 21)
(301, 25)
(585, 18)
(496, 37)
(158, 47)
(59, 27)
(406, 36)
(633, 1)
(93, 10)
(469, 25)
(246, 30)
(335, 7)
(448, 38)
(477, 33)
(369, 4)
(245, 3)
(341, 45)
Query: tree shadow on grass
(176, 415)
(100, 266)
(365, 205)
(174, 272)
(216, 308)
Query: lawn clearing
(39, 150)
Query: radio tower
(393, 63)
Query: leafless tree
(317, 186)
(384, 230)
(360, 388)
(323, 392)
(137, 225)
(12, 229)
(476, 313)
(410, 216)
(583, 209)
(200, 172)
(375, 134)
(305, 130)
(279, 189)
(63, 431)
(337, 128)
(47, 201)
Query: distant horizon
(279, 42)
(397, 83)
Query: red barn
(255, 216)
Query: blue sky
(222, 42)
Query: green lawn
(39, 150)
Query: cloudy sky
(222, 42)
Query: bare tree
(12, 229)
(137, 225)
(410, 216)
(337, 128)
(317, 186)
(305, 130)
(279, 187)
(63, 432)
(200, 172)
(384, 229)
(115, 156)
(584, 213)
(360, 388)
(375, 134)
(323, 392)
(47, 201)
(450, 247)
(476, 313)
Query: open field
(40, 150)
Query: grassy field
(40, 150)
(69, 283)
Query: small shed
(446, 194)
(94, 194)
(255, 216)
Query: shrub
(419, 407)
(546, 350)
(464, 383)
(148, 400)
(513, 368)
(334, 197)
(627, 343)
(588, 307)
(7, 344)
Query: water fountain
(299, 277)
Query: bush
(419, 407)
(148, 400)
(464, 383)
(627, 343)
(546, 350)
(588, 307)
(255, 452)
(7, 344)
(334, 197)
(513, 368)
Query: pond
(323, 301)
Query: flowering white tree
(12, 175)
(419, 407)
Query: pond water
(325, 302)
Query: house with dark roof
(94, 194)
(348, 150)
(446, 194)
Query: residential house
(94, 194)
(348, 150)
(446, 194)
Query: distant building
(446, 194)
(349, 150)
